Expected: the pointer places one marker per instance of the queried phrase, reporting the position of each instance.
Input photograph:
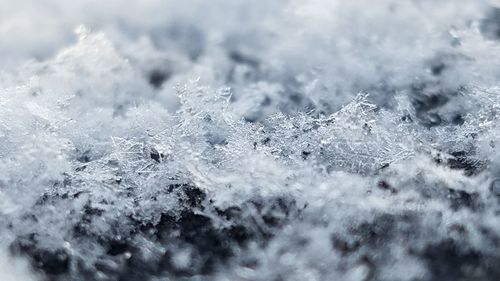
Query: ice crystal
(223, 140)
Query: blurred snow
(14, 269)
(250, 140)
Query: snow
(249, 140)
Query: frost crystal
(247, 140)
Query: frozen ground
(250, 140)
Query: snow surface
(249, 140)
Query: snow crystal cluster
(223, 140)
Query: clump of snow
(223, 140)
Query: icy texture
(250, 140)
